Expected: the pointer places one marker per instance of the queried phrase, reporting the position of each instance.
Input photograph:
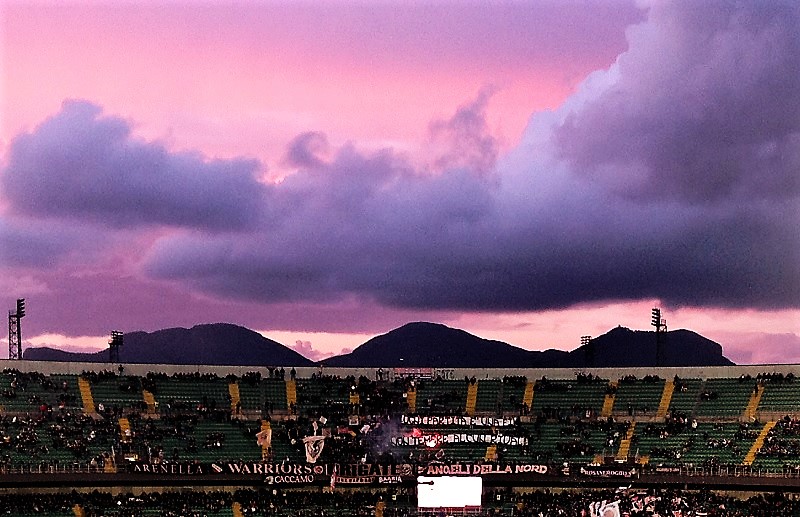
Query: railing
(732, 471)
(725, 471)
(48, 468)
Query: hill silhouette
(210, 344)
(433, 345)
(625, 347)
(417, 344)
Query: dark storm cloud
(79, 164)
(704, 106)
(345, 227)
(672, 175)
(458, 241)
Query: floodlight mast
(113, 346)
(15, 331)
(659, 323)
(588, 348)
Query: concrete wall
(703, 372)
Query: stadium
(533, 172)
(118, 439)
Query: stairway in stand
(751, 454)
(411, 400)
(86, 396)
(752, 404)
(472, 398)
(625, 444)
(527, 398)
(491, 453)
(233, 391)
(666, 399)
(291, 394)
(608, 402)
(124, 430)
(150, 400)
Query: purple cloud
(570, 216)
(464, 139)
(357, 225)
(35, 246)
(307, 150)
(703, 106)
(762, 348)
(84, 166)
(672, 175)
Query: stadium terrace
(248, 441)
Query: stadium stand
(106, 428)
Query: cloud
(364, 224)
(703, 107)
(307, 150)
(34, 245)
(762, 347)
(671, 175)
(306, 349)
(84, 166)
(464, 140)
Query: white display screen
(449, 491)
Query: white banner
(432, 440)
(461, 421)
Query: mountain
(434, 345)
(412, 345)
(625, 347)
(213, 344)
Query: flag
(343, 429)
(314, 445)
(264, 438)
(604, 509)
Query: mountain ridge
(216, 344)
(410, 346)
(416, 344)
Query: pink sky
(233, 80)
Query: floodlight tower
(113, 346)
(15, 330)
(661, 329)
(588, 348)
